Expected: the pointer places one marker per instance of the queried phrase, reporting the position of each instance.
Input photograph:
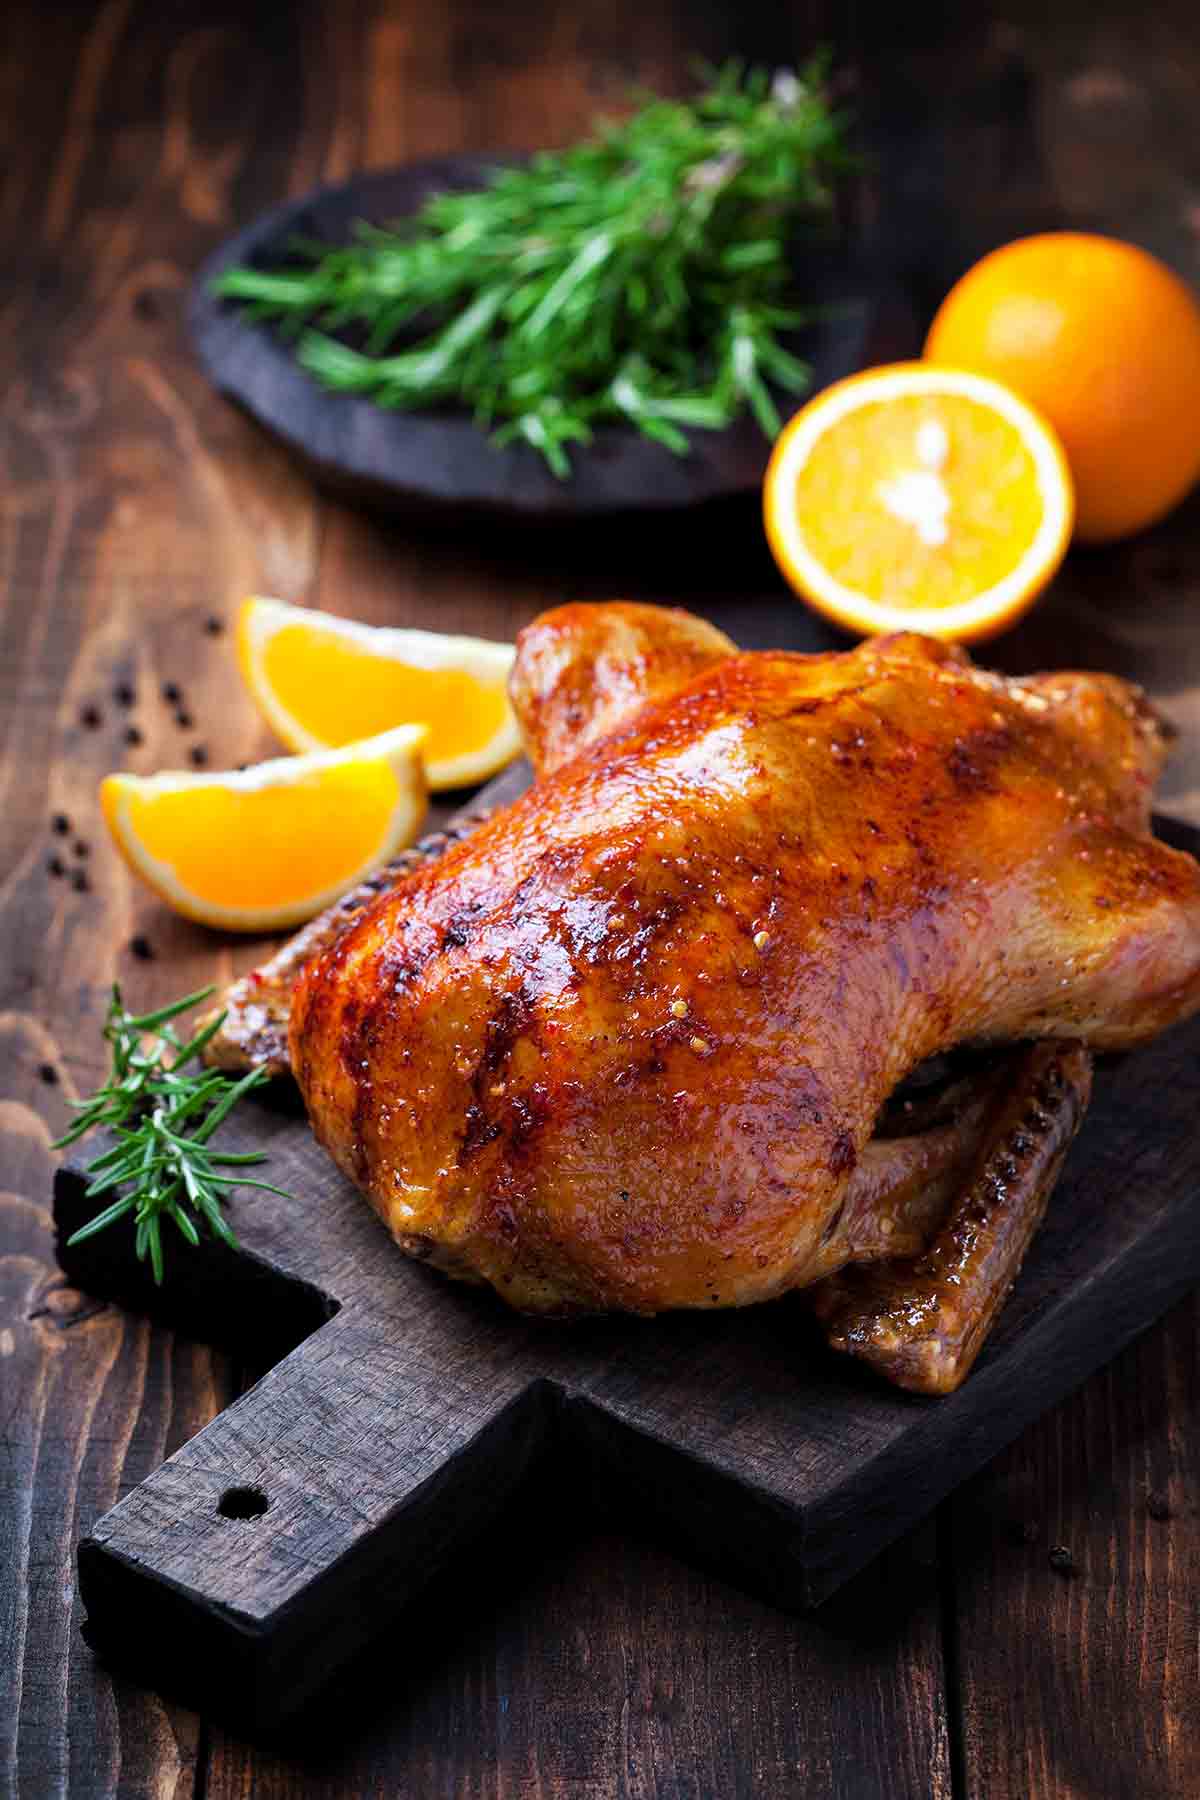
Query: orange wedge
(917, 498)
(272, 845)
(320, 681)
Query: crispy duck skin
(625, 1046)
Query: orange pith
(305, 838)
(338, 691)
(989, 477)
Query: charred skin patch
(514, 1018)
(974, 759)
(408, 952)
(362, 1027)
(478, 1132)
(517, 1117)
(808, 1101)
(843, 1156)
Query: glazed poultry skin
(626, 1045)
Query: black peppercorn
(80, 848)
(1158, 1506)
(124, 694)
(198, 755)
(142, 948)
(55, 866)
(132, 735)
(49, 1074)
(61, 824)
(184, 720)
(214, 626)
(1061, 1560)
(80, 882)
(90, 716)
(172, 693)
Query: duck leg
(921, 1319)
(904, 1183)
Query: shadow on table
(554, 1605)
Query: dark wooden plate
(436, 460)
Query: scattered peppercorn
(1158, 1506)
(55, 866)
(124, 694)
(184, 719)
(80, 848)
(142, 948)
(80, 882)
(61, 824)
(132, 735)
(1061, 1560)
(214, 626)
(49, 1074)
(90, 716)
(172, 693)
(198, 755)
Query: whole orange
(1105, 342)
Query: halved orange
(270, 846)
(321, 681)
(917, 498)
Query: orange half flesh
(916, 498)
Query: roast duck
(785, 973)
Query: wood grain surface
(569, 1656)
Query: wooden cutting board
(403, 1411)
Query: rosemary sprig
(162, 1112)
(639, 276)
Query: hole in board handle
(242, 1503)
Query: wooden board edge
(231, 1298)
(1052, 1359)
(257, 1676)
(725, 1523)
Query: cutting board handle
(345, 1457)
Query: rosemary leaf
(640, 276)
(161, 1114)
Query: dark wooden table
(567, 1656)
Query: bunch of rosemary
(640, 276)
(161, 1111)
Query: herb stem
(636, 277)
(162, 1115)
